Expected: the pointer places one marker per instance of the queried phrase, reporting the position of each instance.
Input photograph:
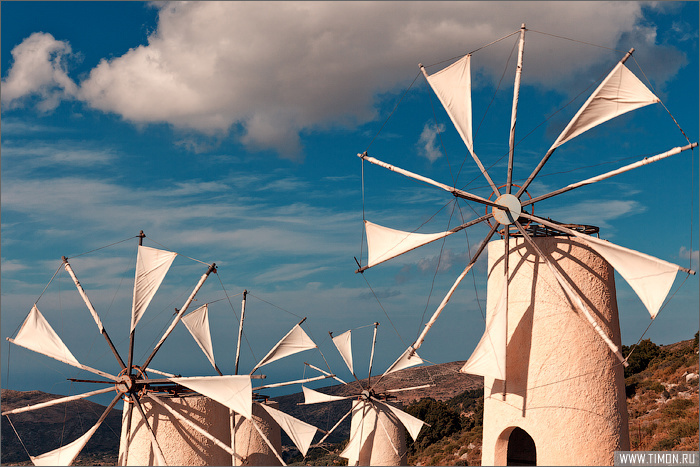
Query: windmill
(133, 384)
(376, 437)
(537, 260)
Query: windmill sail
(301, 433)
(363, 414)
(489, 356)
(65, 455)
(620, 92)
(295, 341)
(37, 334)
(407, 359)
(234, 392)
(651, 278)
(151, 267)
(315, 397)
(413, 425)
(343, 344)
(197, 323)
(453, 86)
(384, 243)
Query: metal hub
(126, 383)
(511, 211)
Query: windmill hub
(367, 394)
(125, 384)
(511, 209)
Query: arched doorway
(521, 448)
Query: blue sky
(229, 131)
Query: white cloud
(428, 143)
(39, 67)
(268, 72)
(692, 255)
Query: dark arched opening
(521, 448)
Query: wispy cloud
(428, 143)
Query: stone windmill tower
(550, 353)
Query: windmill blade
(295, 341)
(344, 345)
(61, 400)
(267, 441)
(407, 359)
(301, 433)
(183, 310)
(288, 383)
(384, 243)
(489, 357)
(573, 296)
(598, 178)
(160, 458)
(92, 310)
(438, 311)
(358, 433)
(455, 191)
(413, 425)
(388, 436)
(325, 373)
(151, 267)
(334, 427)
(453, 86)
(65, 455)
(620, 92)
(36, 334)
(651, 278)
(315, 397)
(413, 388)
(197, 323)
(126, 435)
(195, 427)
(234, 392)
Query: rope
(576, 40)
(103, 247)
(392, 112)
(18, 437)
(382, 307)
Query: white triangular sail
(453, 86)
(413, 425)
(197, 323)
(151, 267)
(343, 344)
(489, 356)
(384, 243)
(301, 433)
(315, 397)
(295, 341)
(620, 92)
(364, 415)
(407, 359)
(234, 392)
(65, 455)
(651, 278)
(37, 334)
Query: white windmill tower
(144, 394)
(377, 436)
(550, 353)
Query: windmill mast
(240, 331)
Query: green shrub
(641, 356)
(676, 407)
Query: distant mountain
(47, 429)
